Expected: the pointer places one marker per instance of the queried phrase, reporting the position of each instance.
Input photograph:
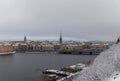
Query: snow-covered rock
(103, 66)
(114, 77)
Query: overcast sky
(77, 19)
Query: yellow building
(6, 48)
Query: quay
(61, 47)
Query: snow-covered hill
(103, 66)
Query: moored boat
(50, 77)
(65, 73)
(73, 68)
(57, 72)
(7, 53)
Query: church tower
(60, 40)
(25, 39)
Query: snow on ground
(114, 77)
(103, 66)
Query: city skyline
(78, 19)
(37, 38)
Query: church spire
(25, 39)
(60, 40)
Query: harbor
(46, 60)
(29, 67)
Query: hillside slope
(103, 66)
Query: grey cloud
(83, 19)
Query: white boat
(57, 72)
(65, 73)
(74, 68)
(7, 53)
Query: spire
(60, 40)
(25, 39)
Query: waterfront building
(100, 46)
(37, 48)
(7, 48)
(47, 48)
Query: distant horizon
(42, 38)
